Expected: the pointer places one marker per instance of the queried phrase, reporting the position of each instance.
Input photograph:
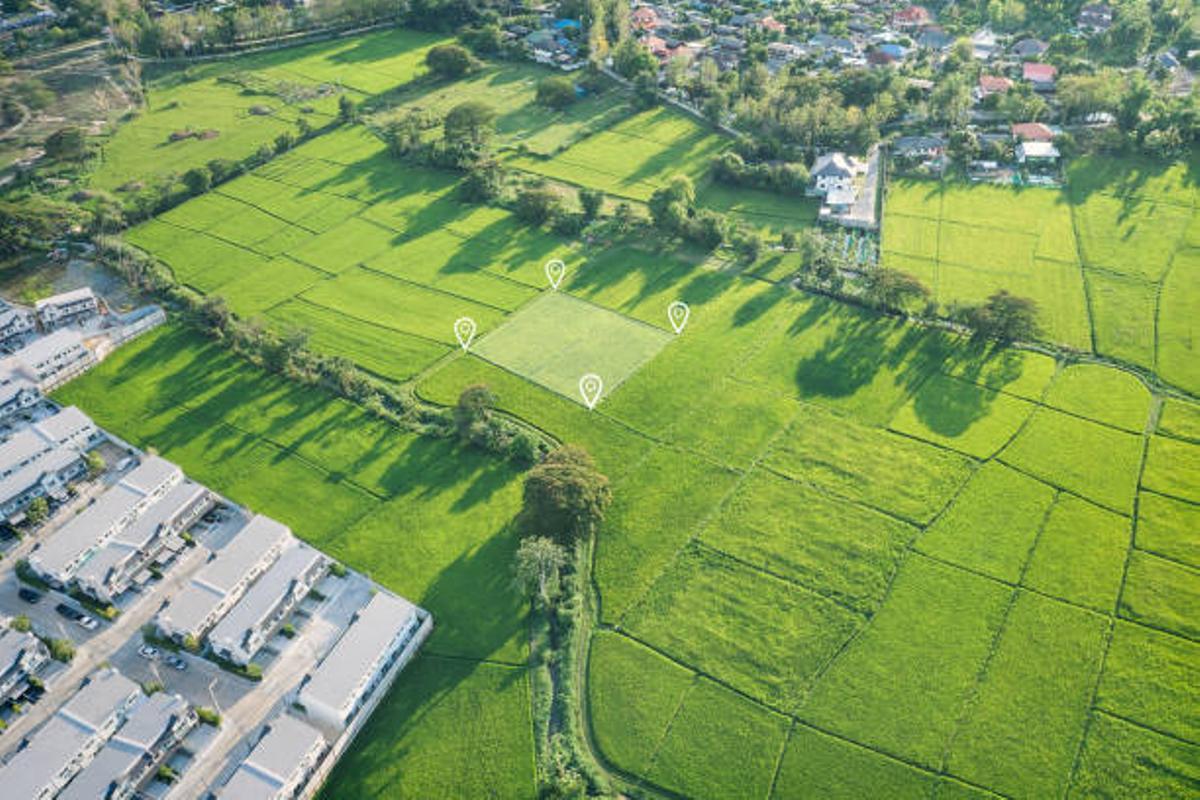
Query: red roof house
(1040, 75)
(769, 23)
(993, 84)
(644, 18)
(1032, 132)
(912, 17)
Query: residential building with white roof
(112, 568)
(279, 765)
(70, 427)
(154, 727)
(46, 476)
(63, 309)
(21, 655)
(64, 552)
(71, 738)
(53, 359)
(266, 604)
(220, 583)
(380, 635)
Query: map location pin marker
(591, 387)
(555, 270)
(464, 331)
(678, 313)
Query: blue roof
(559, 24)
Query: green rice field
(847, 556)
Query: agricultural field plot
(634, 157)
(302, 82)
(556, 340)
(522, 124)
(1111, 259)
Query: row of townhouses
(22, 656)
(69, 308)
(102, 743)
(41, 460)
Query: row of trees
(790, 178)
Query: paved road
(96, 650)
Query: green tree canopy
(565, 496)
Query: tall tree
(537, 565)
(565, 495)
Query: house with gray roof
(266, 604)
(155, 726)
(21, 655)
(46, 476)
(220, 583)
(382, 634)
(279, 765)
(14, 322)
(77, 305)
(68, 742)
(63, 553)
(17, 393)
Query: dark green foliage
(449, 60)
(565, 496)
(556, 92)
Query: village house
(833, 172)
(72, 738)
(919, 147)
(912, 17)
(1041, 153)
(1095, 18)
(1032, 132)
(984, 44)
(992, 84)
(1030, 48)
(156, 725)
(17, 394)
(50, 360)
(1040, 75)
(643, 18)
(381, 638)
(935, 39)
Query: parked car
(28, 595)
(146, 651)
(175, 662)
(87, 623)
(73, 614)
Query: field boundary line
(837, 496)
(1159, 731)
(307, 301)
(268, 212)
(376, 271)
(1064, 489)
(787, 739)
(683, 696)
(479, 660)
(700, 544)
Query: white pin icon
(591, 387)
(555, 270)
(464, 331)
(678, 313)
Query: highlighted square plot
(557, 339)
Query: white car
(87, 623)
(146, 651)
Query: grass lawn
(448, 728)
(556, 340)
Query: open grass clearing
(1095, 461)
(414, 745)
(1162, 594)
(743, 767)
(1152, 678)
(658, 507)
